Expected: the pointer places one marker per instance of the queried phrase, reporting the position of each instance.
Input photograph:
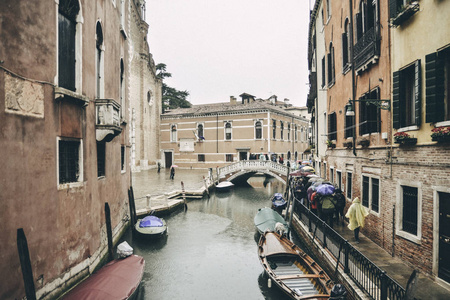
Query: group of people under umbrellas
(326, 200)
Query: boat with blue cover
(278, 202)
(151, 226)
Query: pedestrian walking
(172, 172)
(159, 167)
(356, 215)
(328, 206)
(340, 205)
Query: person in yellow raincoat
(356, 215)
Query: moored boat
(291, 269)
(119, 279)
(278, 202)
(266, 219)
(151, 226)
(224, 186)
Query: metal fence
(368, 276)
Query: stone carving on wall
(23, 97)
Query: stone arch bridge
(241, 171)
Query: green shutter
(396, 100)
(392, 8)
(434, 90)
(417, 92)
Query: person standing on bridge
(356, 215)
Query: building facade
(65, 114)
(213, 135)
(384, 72)
(145, 94)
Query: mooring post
(109, 231)
(206, 186)
(25, 263)
(148, 201)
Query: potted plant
(348, 144)
(404, 138)
(441, 134)
(330, 144)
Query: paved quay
(426, 289)
(160, 188)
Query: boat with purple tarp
(278, 202)
(151, 226)
(119, 279)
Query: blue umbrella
(325, 189)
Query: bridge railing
(252, 165)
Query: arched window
(200, 131)
(296, 156)
(67, 48)
(228, 131)
(330, 61)
(121, 88)
(99, 59)
(289, 155)
(149, 98)
(295, 137)
(345, 46)
(282, 128)
(173, 133)
(258, 130)
(274, 129)
(289, 132)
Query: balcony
(107, 119)
(405, 13)
(367, 49)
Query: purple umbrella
(325, 189)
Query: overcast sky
(221, 48)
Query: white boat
(224, 186)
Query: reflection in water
(210, 250)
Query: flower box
(347, 145)
(441, 134)
(406, 12)
(407, 141)
(364, 142)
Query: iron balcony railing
(367, 47)
(368, 276)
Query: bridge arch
(245, 169)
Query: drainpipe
(217, 133)
(268, 132)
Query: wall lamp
(380, 103)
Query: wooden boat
(278, 202)
(151, 226)
(119, 279)
(224, 186)
(291, 269)
(266, 220)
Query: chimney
(232, 100)
(286, 101)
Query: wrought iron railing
(367, 47)
(368, 276)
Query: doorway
(168, 159)
(243, 155)
(444, 236)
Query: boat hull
(150, 232)
(291, 269)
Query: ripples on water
(210, 250)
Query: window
(366, 18)
(201, 157)
(409, 209)
(369, 114)
(295, 133)
(330, 64)
(332, 175)
(274, 129)
(122, 157)
(371, 193)
(69, 161)
(229, 157)
(200, 131)
(339, 179)
(407, 8)
(348, 126)
(289, 132)
(99, 59)
(101, 153)
(346, 47)
(121, 89)
(367, 42)
(67, 47)
(332, 134)
(438, 86)
(349, 185)
(149, 98)
(406, 96)
(228, 131)
(258, 130)
(323, 72)
(282, 129)
(173, 133)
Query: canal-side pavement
(160, 188)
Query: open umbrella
(313, 176)
(325, 189)
(308, 169)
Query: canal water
(210, 251)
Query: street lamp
(380, 103)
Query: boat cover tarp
(116, 280)
(267, 218)
(151, 221)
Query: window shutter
(396, 99)
(344, 50)
(417, 92)
(392, 8)
(329, 127)
(333, 65)
(434, 74)
(358, 21)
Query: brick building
(391, 60)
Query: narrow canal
(210, 251)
